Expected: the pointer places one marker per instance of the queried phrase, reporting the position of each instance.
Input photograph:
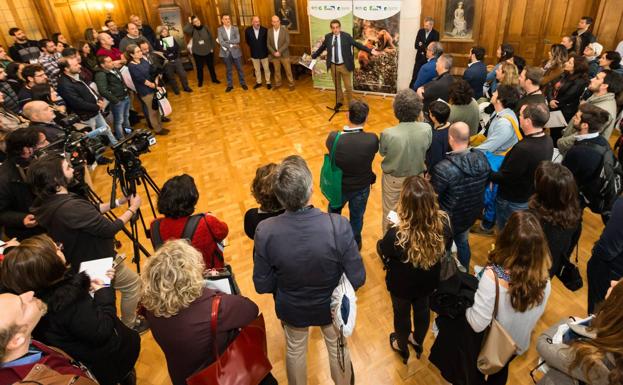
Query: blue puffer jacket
(460, 180)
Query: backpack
(599, 195)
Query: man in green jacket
(604, 87)
(111, 87)
(403, 148)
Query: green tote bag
(331, 178)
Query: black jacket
(16, 197)
(476, 75)
(171, 53)
(403, 279)
(568, 95)
(148, 33)
(259, 47)
(583, 161)
(437, 88)
(585, 39)
(78, 97)
(51, 130)
(354, 154)
(111, 86)
(77, 223)
(421, 43)
(88, 328)
(460, 182)
(346, 43)
(516, 173)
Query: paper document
(556, 119)
(221, 285)
(97, 268)
(307, 61)
(393, 217)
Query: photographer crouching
(16, 196)
(82, 229)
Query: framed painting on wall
(460, 20)
(288, 12)
(172, 18)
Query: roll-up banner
(376, 24)
(321, 12)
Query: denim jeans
(121, 116)
(462, 248)
(229, 61)
(100, 128)
(504, 209)
(357, 201)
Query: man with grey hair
(427, 71)
(299, 257)
(460, 180)
(424, 37)
(403, 148)
(439, 87)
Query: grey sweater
(606, 102)
(202, 40)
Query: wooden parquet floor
(221, 138)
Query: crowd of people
(516, 153)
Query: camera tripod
(129, 176)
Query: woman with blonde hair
(558, 55)
(520, 265)
(411, 251)
(507, 74)
(596, 359)
(178, 307)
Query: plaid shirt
(11, 102)
(50, 66)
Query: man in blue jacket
(299, 257)
(476, 72)
(428, 71)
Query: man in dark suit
(339, 46)
(256, 38)
(439, 87)
(476, 72)
(424, 37)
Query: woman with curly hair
(555, 202)
(463, 106)
(177, 201)
(412, 250)
(597, 358)
(262, 191)
(520, 263)
(178, 308)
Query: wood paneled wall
(532, 26)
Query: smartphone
(118, 260)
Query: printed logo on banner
(329, 9)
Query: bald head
(458, 136)
(275, 21)
(38, 111)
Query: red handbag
(244, 362)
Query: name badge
(201, 42)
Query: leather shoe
(216, 82)
(269, 86)
(164, 119)
(291, 87)
(244, 87)
(164, 131)
(257, 85)
(228, 89)
(188, 89)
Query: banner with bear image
(376, 24)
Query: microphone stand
(335, 108)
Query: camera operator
(83, 101)
(41, 117)
(82, 229)
(16, 196)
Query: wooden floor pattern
(221, 138)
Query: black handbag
(570, 275)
